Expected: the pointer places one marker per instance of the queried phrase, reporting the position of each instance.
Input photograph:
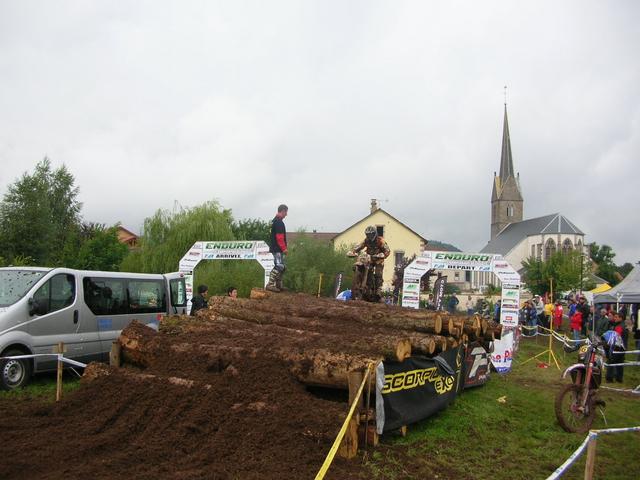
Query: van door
(178, 294)
(56, 318)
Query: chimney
(374, 205)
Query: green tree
(567, 270)
(166, 236)
(308, 258)
(251, 229)
(38, 213)
(102, 251)
(602, 256)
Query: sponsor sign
(416, 388)
(476, 365)
(479, 262)
(438, 292)
(504, 349)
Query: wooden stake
(349, 446)
(591, 458)
(114, 355)
(355, 379)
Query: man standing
(278, 247)
(199, 301)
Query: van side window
(59, 292)
(147, 296)
(178, 292)
(105, 296)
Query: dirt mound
(248, 420)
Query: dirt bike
(576, 403)
(363, 286)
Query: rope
(336, 444)
(59, 356)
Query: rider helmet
(371, 234)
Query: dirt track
(244, 418)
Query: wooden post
(60, 350)
(591, 457)
(114, 355)
(355, 379)
(349, 446)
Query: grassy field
(481, 437)
(505, 429)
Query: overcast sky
(325, 105)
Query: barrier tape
(336, 444)
(60, 357)
(593, 434)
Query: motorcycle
(576, 403)
(363, 286)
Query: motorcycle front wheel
(569, 412)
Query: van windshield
(14, 284)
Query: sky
(324, 105)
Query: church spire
(506, 160)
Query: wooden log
(97, 370)
(137, 344)
(362, 312)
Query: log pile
(321, 340)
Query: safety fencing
(589, 444)
(61, 359)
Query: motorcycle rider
(378, 250)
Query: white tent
(627, 291)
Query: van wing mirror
(36, 308)
(33, 305)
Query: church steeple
(506, 198)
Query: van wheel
(14, 373)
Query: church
(513, 237)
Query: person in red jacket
(576, 324)
(278, 247)
(558, 312)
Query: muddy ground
(242, 418)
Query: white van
(40, 307)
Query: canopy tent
(627, 291)
(602, 288)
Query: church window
(549, 249)
(567, 246)
(539, 253)
(533, 250)
(510, 211)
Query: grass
(43, 387)
(479, 437)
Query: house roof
(514, 233)
(127, 232)
(389, 215)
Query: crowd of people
(613, 326)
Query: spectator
(602, 323)
(636, 326)
(530, 318)
(576, 324)
(539, 307)
(615, 350)
(232, 292)
(496, 311)
(199, 301)
(558, 313)
(469, 306)
(452, 304)
(584, 308)
(548, 312)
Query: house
(127, 237)
(402, 240)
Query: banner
(337, 284)
(503, 349)
(418, 387)
(476, 365)
(438, 291)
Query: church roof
(506, 185)
(514, 233)
(506, 159)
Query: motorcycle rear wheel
(571, 417)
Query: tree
(102, 251)
(38, 213)
(251, 229)
(308, 258)
(569, 271)
(602, 256)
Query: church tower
(506, 198)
